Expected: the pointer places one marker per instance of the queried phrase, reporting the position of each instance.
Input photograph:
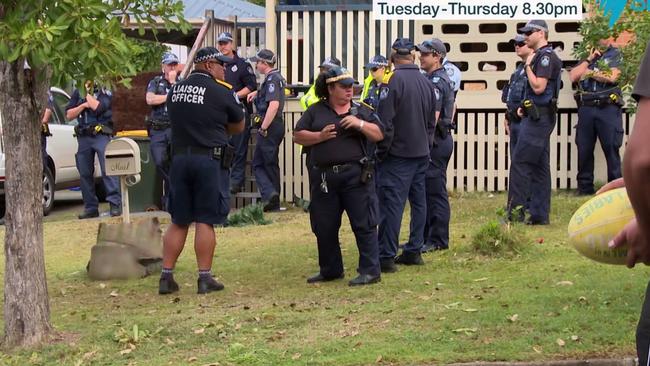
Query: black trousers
(345, 192)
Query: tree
(62, 40)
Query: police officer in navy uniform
(337, 130)
(269, 102)
(599, 100)
(203, 110)
(241, 76)
(436, 233)
(407, 109)
(158, 125)
(94, 130)
(530, 165)
(377, 67)
(454, 73)
(514, 92)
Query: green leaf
(92, 53)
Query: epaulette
(367, 105)
(224, 84)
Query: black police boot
(387, 265)
(536, 221)
(320, 278)
(409, 258)
(167, 286)
(426, 248)
(208, 284)
(273, 204)
(115, 210)
(88, 215)
(365, 279)
(440, 247)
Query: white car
(61, 172)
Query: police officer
(513, 93)
(269, 102)
(310, 97)
(454, 73)
(337, 129)
(377, 76)
(530, 165)
(241, 76)
(158, 125)
(94, 130)
(407, 111)
(599, 100)
(436, 233)
(45, 127)
(203, 110)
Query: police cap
(403, 46)
(433, 45)
(534, 26)
(338, 75)
(265, 55)
(377, 61)
(210, 53)
(329, 62)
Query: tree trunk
(26, 303)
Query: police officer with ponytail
(337, 131)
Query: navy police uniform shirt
(513, 94)
(272, 88)
(159, 86)
(444, 96)
(612, 58)
(101, 116)
(407, 106)
(199, 109)
(240, 74)
(348, 145)
(548, 65)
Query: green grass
(459, 307)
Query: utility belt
(600, 101)
(157, 124)
(223, 153)
(93, 130)
(535, 112)
(367, 171)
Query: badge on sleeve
(545, 61)
(437, 93)
(271, 87)
(234, 68)
(450, 72)
(383, 93)
(250, 69)
(435, 79)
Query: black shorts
(200, 190)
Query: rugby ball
(596, 222)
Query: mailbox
(122, 157)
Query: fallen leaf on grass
(481, 279)
(102, 286)
(513, 318)
(199, 331)
(467, 331)
(125, 351)
(296, 356)
(192, 359)
(114, 293)
(452, 305)
(564, 283)
(424, 298)
(537, 349)
(379, 358)
(560, 342)
(575, 338)
(169, 342)
(470, 310)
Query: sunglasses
(374, 69)
(520, 44)
(531, 32)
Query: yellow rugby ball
(596, 222)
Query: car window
(60, 102)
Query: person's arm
(75, 107)
(310, 138)
(537, 83)
(155, 99)
(46, 116)
(274, 106)
(610, 76)
(236, 115)
(370, 130)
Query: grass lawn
(547, 303)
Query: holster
(156, 124)
(513, 117)
(256, 119)
(367, 170)
(45, 130)
(531, 110)
(226, 154)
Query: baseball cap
(377, 61)
(265, 55)
(225, 37)
(519, 38)
(433, 45)
(169, 58)
(330, 62)
(403, 46)
(338, 75)
(534, 25)
(210, 53)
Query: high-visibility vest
(309, 98)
